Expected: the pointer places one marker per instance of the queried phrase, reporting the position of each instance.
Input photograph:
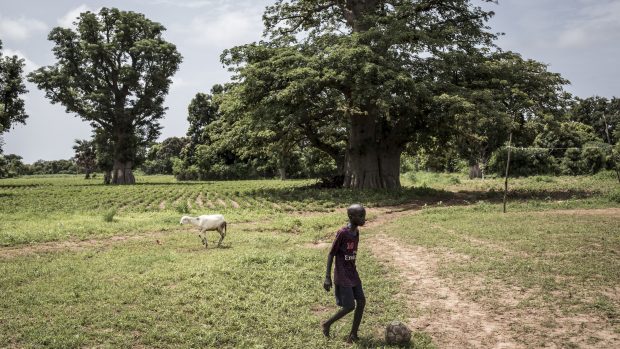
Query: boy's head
(357, 214)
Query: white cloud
(29, 65)
(197, 3)
(180, 83)
(21, 28)
(596, 22)
(67, 20)
(226, 30)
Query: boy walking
(348, 286)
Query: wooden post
(612, 148)
(507, 167)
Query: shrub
(108, 216)
(523, 162)
(571, 162)
(614, 196)
(182, 207)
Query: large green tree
(11, 87)
(498, 94)
(370, 61)
(160, 156)
(601, 113)
(113, 70)
(201, 112)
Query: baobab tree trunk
(124, 152)
(122, 173)
(372, 160)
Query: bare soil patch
(445, 310)
(199, 200)
(79, 245)
(610, 212)
(320, 310)
(318, 245)
(451, 320)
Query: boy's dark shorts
(345, 296)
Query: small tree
(160, 156)
(114, 71)
(85, 156)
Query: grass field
(87, 265)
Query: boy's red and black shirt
(344, 249)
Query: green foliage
(53, 167)
(11, 165)
(505, 94)
(108, 216)
(600, 113)
(11, 87)
(614, 195)
(363, 64)
(85, 156)
(160, 156)
(182, 207)
(123, 97)
(523, 162)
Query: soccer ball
(397, 333)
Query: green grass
(263, 289)
(154, 285)
(563, 263)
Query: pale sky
(578, 38)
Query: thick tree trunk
(107, 177)
(124, 146)
(372, 162)
(372, 159)
(122, 173)
(282, 172)
(475, 171)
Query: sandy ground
(443, 309)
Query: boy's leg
(360, 300)
(345, 299)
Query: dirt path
(78, 245)
(445, 310)
(451, 320)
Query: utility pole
(507, 167)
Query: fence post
(507, 167)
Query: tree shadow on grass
(141, 184)
(418, 196)
(373, 343)
(345, 197)
(528, 194)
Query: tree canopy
(363, 79)
(113, 70)
(11, 87)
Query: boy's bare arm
(327, 284)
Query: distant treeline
(582, 140)
(11, 165)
